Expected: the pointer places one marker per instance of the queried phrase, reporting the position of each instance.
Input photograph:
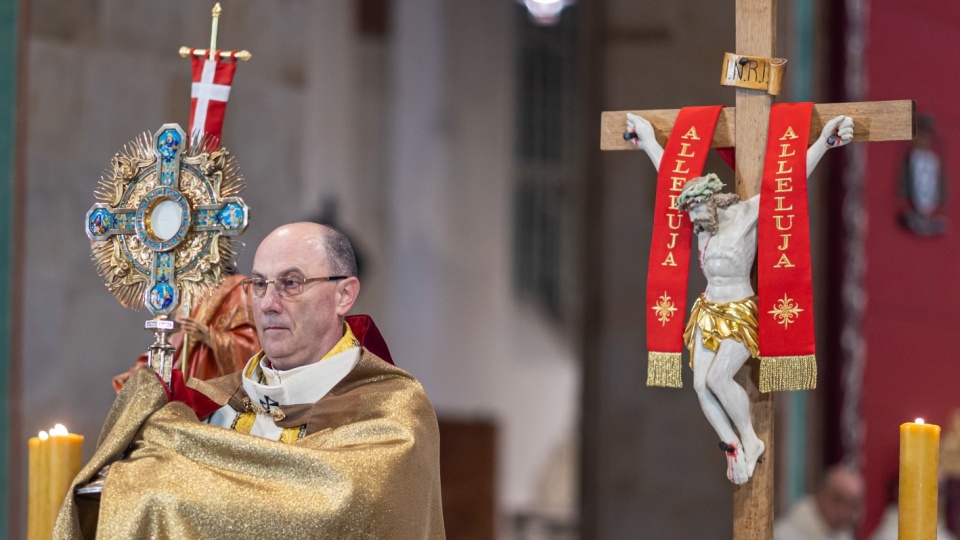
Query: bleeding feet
(741, 461)
(736, 463)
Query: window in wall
(547, 113)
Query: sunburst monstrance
(163, 229)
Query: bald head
(840, 497)
(322, 241)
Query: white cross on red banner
(209, 94)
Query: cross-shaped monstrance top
(163, 229)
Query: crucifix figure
(745, 128)
(722, 332)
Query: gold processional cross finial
(243, 55)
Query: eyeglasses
(286, 285)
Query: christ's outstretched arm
(836, 133)
(646, 140)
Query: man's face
(699, 212)
(297, 330)
(840, 501)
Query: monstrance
(164, 228)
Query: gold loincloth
(731, 320)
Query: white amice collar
(273, 377)
(304, 384)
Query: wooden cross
(745, 128)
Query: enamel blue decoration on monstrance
(165, 225)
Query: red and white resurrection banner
(209, 93)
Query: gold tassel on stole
(784, 373)
(664, 369)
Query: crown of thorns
(698, 189)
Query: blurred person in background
(830, 514)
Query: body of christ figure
(722, 331)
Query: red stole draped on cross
(669, 267)
(785, 291)
(210, 92)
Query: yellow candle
(39, 524)
(919, 458)
(55, 460)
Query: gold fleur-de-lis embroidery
(786, 311)
(664, 308)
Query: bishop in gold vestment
(367, 467)
(317, 437)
